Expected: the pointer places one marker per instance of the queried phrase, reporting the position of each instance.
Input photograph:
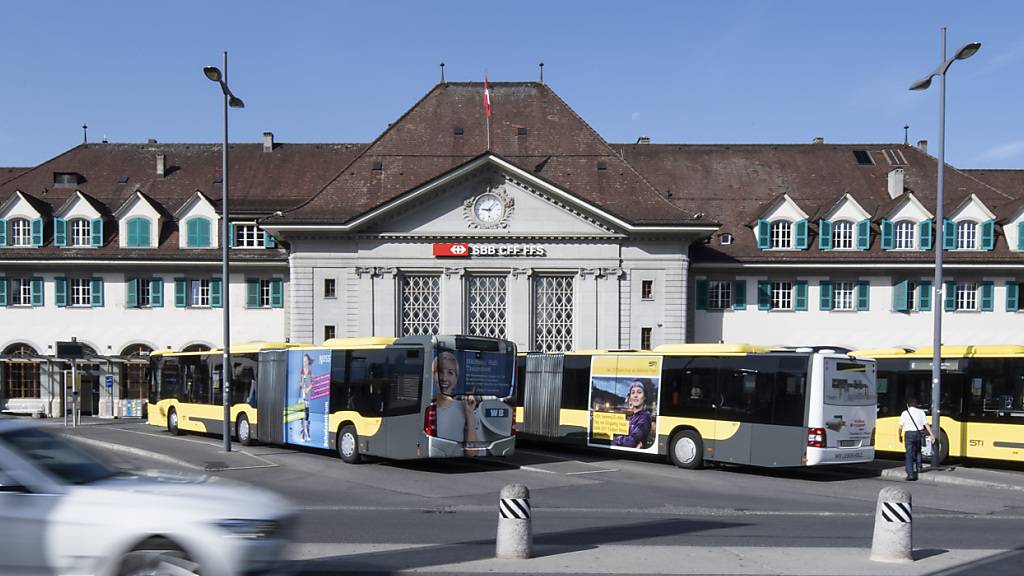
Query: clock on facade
(492, 208)
(488, 209)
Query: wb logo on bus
(495, 413)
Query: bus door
(917, 384)
(271, 390)
(542, 398)
(403, 400)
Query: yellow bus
(693, 403)
(982, 403)
(185, 391)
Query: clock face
(488, 209)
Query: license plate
(495, 413)
(849, 443)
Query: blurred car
(65, 511)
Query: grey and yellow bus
(730, 403)
(981, 404)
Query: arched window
(81, 232)
(842, 235)
(21, 374)
(904, 235)
(21, 232)
(196, 348)
(967, 235)
(782, 234)
(138, 233)
(198, 233)
(133, 374)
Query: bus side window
(404, 382)
(575, 382)
(520, 391)
(689, 386)
(366, 381)
(790, 390)
(340, 397)
(243, 389)
(745, 389)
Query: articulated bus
(981, 404)
(704, 402)
(404, 398)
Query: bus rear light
(815, 437)
(430, 421)
(872, 437)
(513, 421)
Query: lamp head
(923, 83)
(235, 102)
(212, 72)
(967, 50)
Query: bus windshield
(848, 383)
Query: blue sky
(679, 72)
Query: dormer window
(247, 236)
(61, 179)
(781, 234)
(904, 235)
(81, 232)
(21, 232)
(725, 239)
(139, 233)
(842, 235)
(967, 235)
(197, 233)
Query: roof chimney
(161, 165)
(643, 140)
(922, 145)
(151, 141)
(818, 140)
(268, 141)
(895, 182)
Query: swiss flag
(487, 97)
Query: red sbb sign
(451, 250)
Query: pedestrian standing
(913, 421)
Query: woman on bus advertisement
(308, 398)
(623, 402)
(456, 418)
(640, 419)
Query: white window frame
(904, 235)
(780, 232)
(966, 235)
(21, 291)
(782, 295)
(719, 294)
(79, 232)
(144, 292)
(199, 292)
(264, 293)
(647, 289)
(843, 237)
(331, 283)
(21, 232)
(80, 292)
(967, 296)
(844, 297)
(248, 235)
(646, 337)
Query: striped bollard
(894, 527)
(515, 532)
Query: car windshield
(60, 458)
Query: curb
(139, 452)
(930, 477)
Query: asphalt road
(389, 516)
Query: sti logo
(451, 250)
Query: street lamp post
(966, 51)
(230, 100)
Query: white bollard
(515, 531)
(893, 540)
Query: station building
(531, 227)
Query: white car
(64, 511)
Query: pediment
(18, 206)
(490, 202)
(197, 205)
(784, 208)
(910, 208)
(78, 206)
(137, 205)
(972, 208)
(847, 208)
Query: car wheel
(348, 445)
(172, 422)
(686, 449)
(157, 563)
(242, 430)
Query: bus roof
(241, 348)
(707, 349)
(361, 342)
(958, 351)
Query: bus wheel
(687, 450)
(943, 447)
(348, 445)
(172, 422)
(242, 431)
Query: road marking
(138, 452)
(592, 471)
(533, 469)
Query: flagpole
(487, 109)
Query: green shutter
(3, 232)
(824, 235)
(702, 294)
(764, 295)
(948, 235)
(132, 300)
(37, 292)
(801, 234)
(887, 235)
(192, 231)
(133, 232)
(1020, 235)
(949, 300)
(986, 296)
(216, 293)
(60, 232)
(96, 292)
(924, 296)
(37, 232)
(204, 233)
(863, 234)
(988, 234)
(764, 241)
(231, 234)
(900, 296)
(825, 295)
(60, 291)
(180, 293)
(97, 232)
(739, 294)
(277, 293)
(156, 292)
(924, 235)
(145, 239)
(800, 295)
(863, 295)
(252, 292)
(1012, 296)
(268, 240)
(3, 291)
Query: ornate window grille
(553, 304)
(487, 297)
(421, 305)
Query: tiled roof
(531, 128)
